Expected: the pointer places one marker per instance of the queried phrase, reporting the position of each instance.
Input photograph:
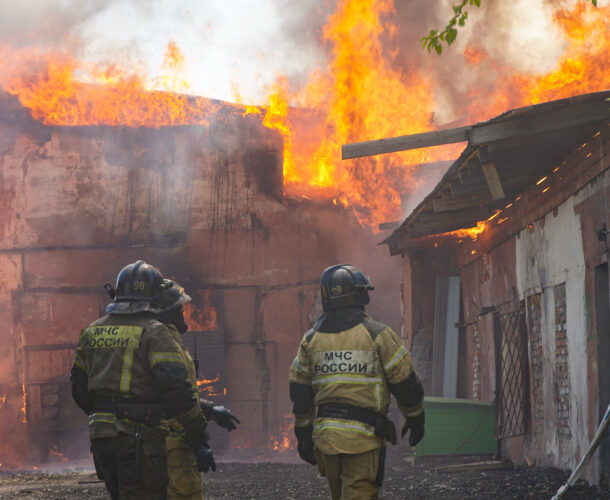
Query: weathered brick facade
(206, 206)
(476, 361)
(562, 367)
(534, 310)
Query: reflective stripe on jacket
(352, 366)
(132, 356)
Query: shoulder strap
(309, 335)
(374, 327)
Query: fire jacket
(133, 358)
(176, 436)
(349, 358)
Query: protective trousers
(115, 462)
(351, 476)
(185, 481)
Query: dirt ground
(259, 479)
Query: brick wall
(205, 205)
(536, 355)
(476, 362)
(562, 371)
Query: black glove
(305, 449)
(205, 459)
(416, 424)
(224, 417)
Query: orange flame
(472, 232)
(200, 315)
(207, 381)
(24, 418)
(363, 97)
(584, 66)
(360, 95)
(54, 452)
(55, 96)
(173, 64)
(209, 387)
(285, 440)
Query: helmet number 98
(139, 285)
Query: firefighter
(185, 482)
(128, 375)
(346, 367)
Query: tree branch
(434, 40)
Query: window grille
(512, 377)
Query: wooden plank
(485, 465)
(404, 142)
(526, 124)
(449, 203)
(522, 124)
(388, 226)
(419, 230)
(471, 172)
(493, 181)
(458, 188)
(525, 144)
(433, 223)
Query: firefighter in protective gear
(185, 482)
(346, 367)
(128, 375)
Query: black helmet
(141, 287)
(344, 286)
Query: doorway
(602, 325)
(446, 341)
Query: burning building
(244, 205)
(505, 276)
(205, 204)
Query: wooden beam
(486, 465)
(448, 203)
(549, 117)
(433, 223)
(493, 181)
(537, 123)
(404, 142)
(417, 230)
(471, 172)
(467, 188)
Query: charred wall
(205, 205)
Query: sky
(235, 49)
(230, 47)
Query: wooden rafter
(493, 181)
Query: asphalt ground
(260, 478)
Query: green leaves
(434, 40)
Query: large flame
(361, 94)
(584, 66)
(64, 91)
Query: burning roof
(367, 87)
(504, 156)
